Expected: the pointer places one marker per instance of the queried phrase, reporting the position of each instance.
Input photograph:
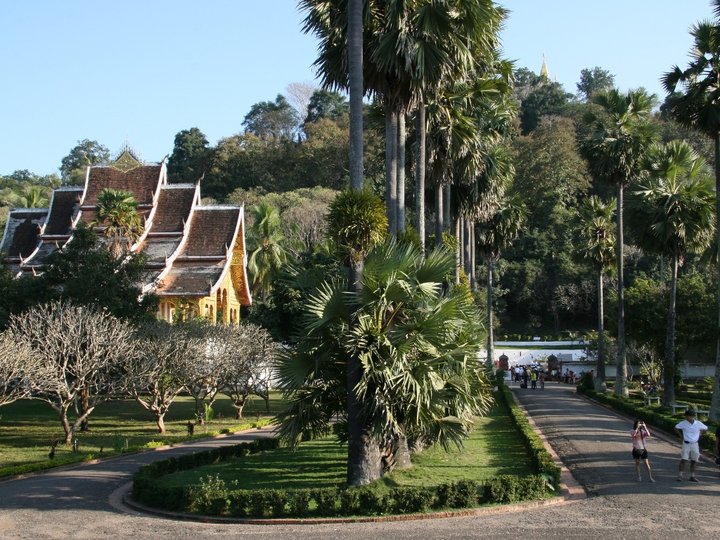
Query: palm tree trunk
(621, 377)
(473, 260)
(447, 220)
(466, 248)
(401, 172)
(439, 214)
(355, 66)
(364, 463)
(600, 375)
(391, 168)
(490, 339)
(715, 400)
(669, 363)
(420, 175)
(458, 251)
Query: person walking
(639, 433)
(690, 431)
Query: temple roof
(142, 182)
(212, 231)
(173, 208)
(190, 250)
(22, 231)
(63, 209)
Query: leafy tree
(616, 147)
(547, 98)
(596, 234)
(697, 105)
(116, 213)
(86, 153)
(672, 215)
(326, 104)
(593, 81)
(190, 156)
(269, 119)
(86, 273)
(82, 351)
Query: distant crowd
(529, 376)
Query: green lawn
(493, 448)
(27, 427)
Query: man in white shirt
(690, 431)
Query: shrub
(299, 502)
(407, 500)
(326, 500)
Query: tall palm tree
(494, 233)
(698, 105)
(595, 230)
(116, 212)
(673, 214)
(265, 243)
(616, 146)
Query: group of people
(529, 374)
(690, 430)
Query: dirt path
(84, 502)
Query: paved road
(84, 501)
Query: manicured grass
(493, 448)
(27, 427)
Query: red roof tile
(212, 231)
(173, 210)
(62, 210)
(141, 181)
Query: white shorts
(690, 451)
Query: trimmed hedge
(540, 460)
(659, 417)
(215, 497)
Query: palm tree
(421, 380)
(698, 106)
(267, 253)
(616, 146)
(673, 214)
(492, 234)
(597, 247)
(116, 212)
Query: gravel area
(86, 501)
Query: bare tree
(298, 95)
(18, 365)
(204, 382)
(165, 364)
(81, 350)
(246, 368)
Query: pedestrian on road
(639, 433)
(690, 431)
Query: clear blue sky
(139, 71)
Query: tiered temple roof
(195, 253)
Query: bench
(649, 400)
(684, 406)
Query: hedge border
(214, 497)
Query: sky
(137, 72)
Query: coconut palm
(421, 379)
(596, 234)
(697, 105)
(673, 214)
(267, 253)
(493, 233)
(116, 213)
(619, 137)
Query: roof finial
(544, 73)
